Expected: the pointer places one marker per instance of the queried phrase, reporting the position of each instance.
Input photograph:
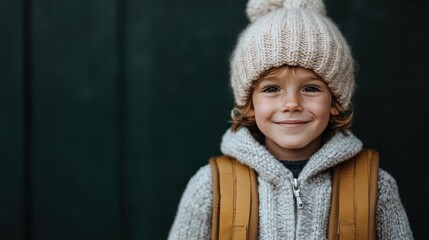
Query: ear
(334, 111)
(250, 113)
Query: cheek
(262, 108)
(262, 112)
(322, 109)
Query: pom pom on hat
(294, 33)
(257, 8)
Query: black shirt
(295, 166)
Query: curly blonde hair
(240, 118)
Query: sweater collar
(242, 146)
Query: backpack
(353, 201)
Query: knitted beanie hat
(294, 33)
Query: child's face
(292, 109)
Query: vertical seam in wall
(120, 63)
(27, 122)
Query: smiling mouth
(291, 122)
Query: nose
(290, 102)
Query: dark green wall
(108, 107)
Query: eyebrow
(314, 78)
(270, 78)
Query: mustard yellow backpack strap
(235, 200)
(354, 197)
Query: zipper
(296, 190)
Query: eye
(312, 88)
(270, 89)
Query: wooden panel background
(108, 107)
(12, 211)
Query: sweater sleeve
(193, 217)
(392, 220)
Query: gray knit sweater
(279, 217)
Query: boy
(292, 74)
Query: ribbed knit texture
(278, 215)
(294, 33)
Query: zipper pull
(296, 190)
